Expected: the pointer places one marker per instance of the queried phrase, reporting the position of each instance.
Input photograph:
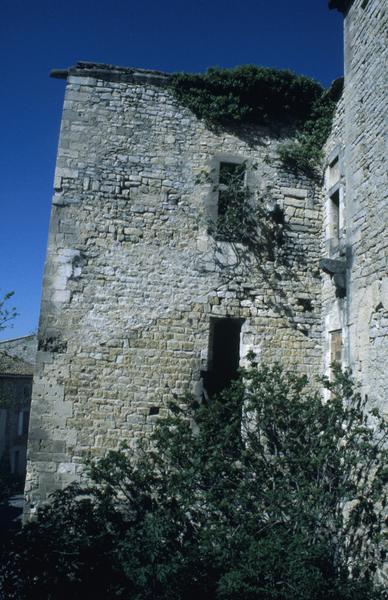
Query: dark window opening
(154, 410)
(16, 463)
(231, 200)
(231, 180)
(224, 354)
(335, 217)
(24, 420)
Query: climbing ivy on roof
(246, 94)
(250, 94)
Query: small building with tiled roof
(12, 365)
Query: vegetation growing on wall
(257, 95)
(244, 218)
(305, 153)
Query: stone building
(17, 358)
(146, 296)
(356, 204)
(23, 347)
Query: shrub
(265, 493)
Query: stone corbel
(337, 269)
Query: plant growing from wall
(274, 495)
(262, 96)
(243, 218)
(236, 220)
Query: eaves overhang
(341, 5)
(112, 73)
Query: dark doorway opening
(224, 354)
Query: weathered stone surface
(358, 139)
(21, 347)
(134, 275)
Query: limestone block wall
(334, 302)
(133, 276)
(366, 52)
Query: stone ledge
(112, 73)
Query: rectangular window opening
(23, 420)
(231, 199)
(15, 466)
(335, 218)
(224, 353)
(334, 172)
(335, 349)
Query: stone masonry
(136, 280)
(133, 278)
(359, 142)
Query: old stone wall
(334, 298)
(21, 347)
(360, 142)
(366, 52)
(134, 275)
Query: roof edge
(341, 5)
(13, 365)
(19, 337)
(112, 73)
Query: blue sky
(169, 35)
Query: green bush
(265, 493)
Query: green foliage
(6, 314)
(305, 154)
(235, 220)
(242, 218)
(246, 94)
(262, 96)
(267, 493)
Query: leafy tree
(6, 314)
(265, 493)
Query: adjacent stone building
(145, 296)
(356, 205)
(17, 358)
